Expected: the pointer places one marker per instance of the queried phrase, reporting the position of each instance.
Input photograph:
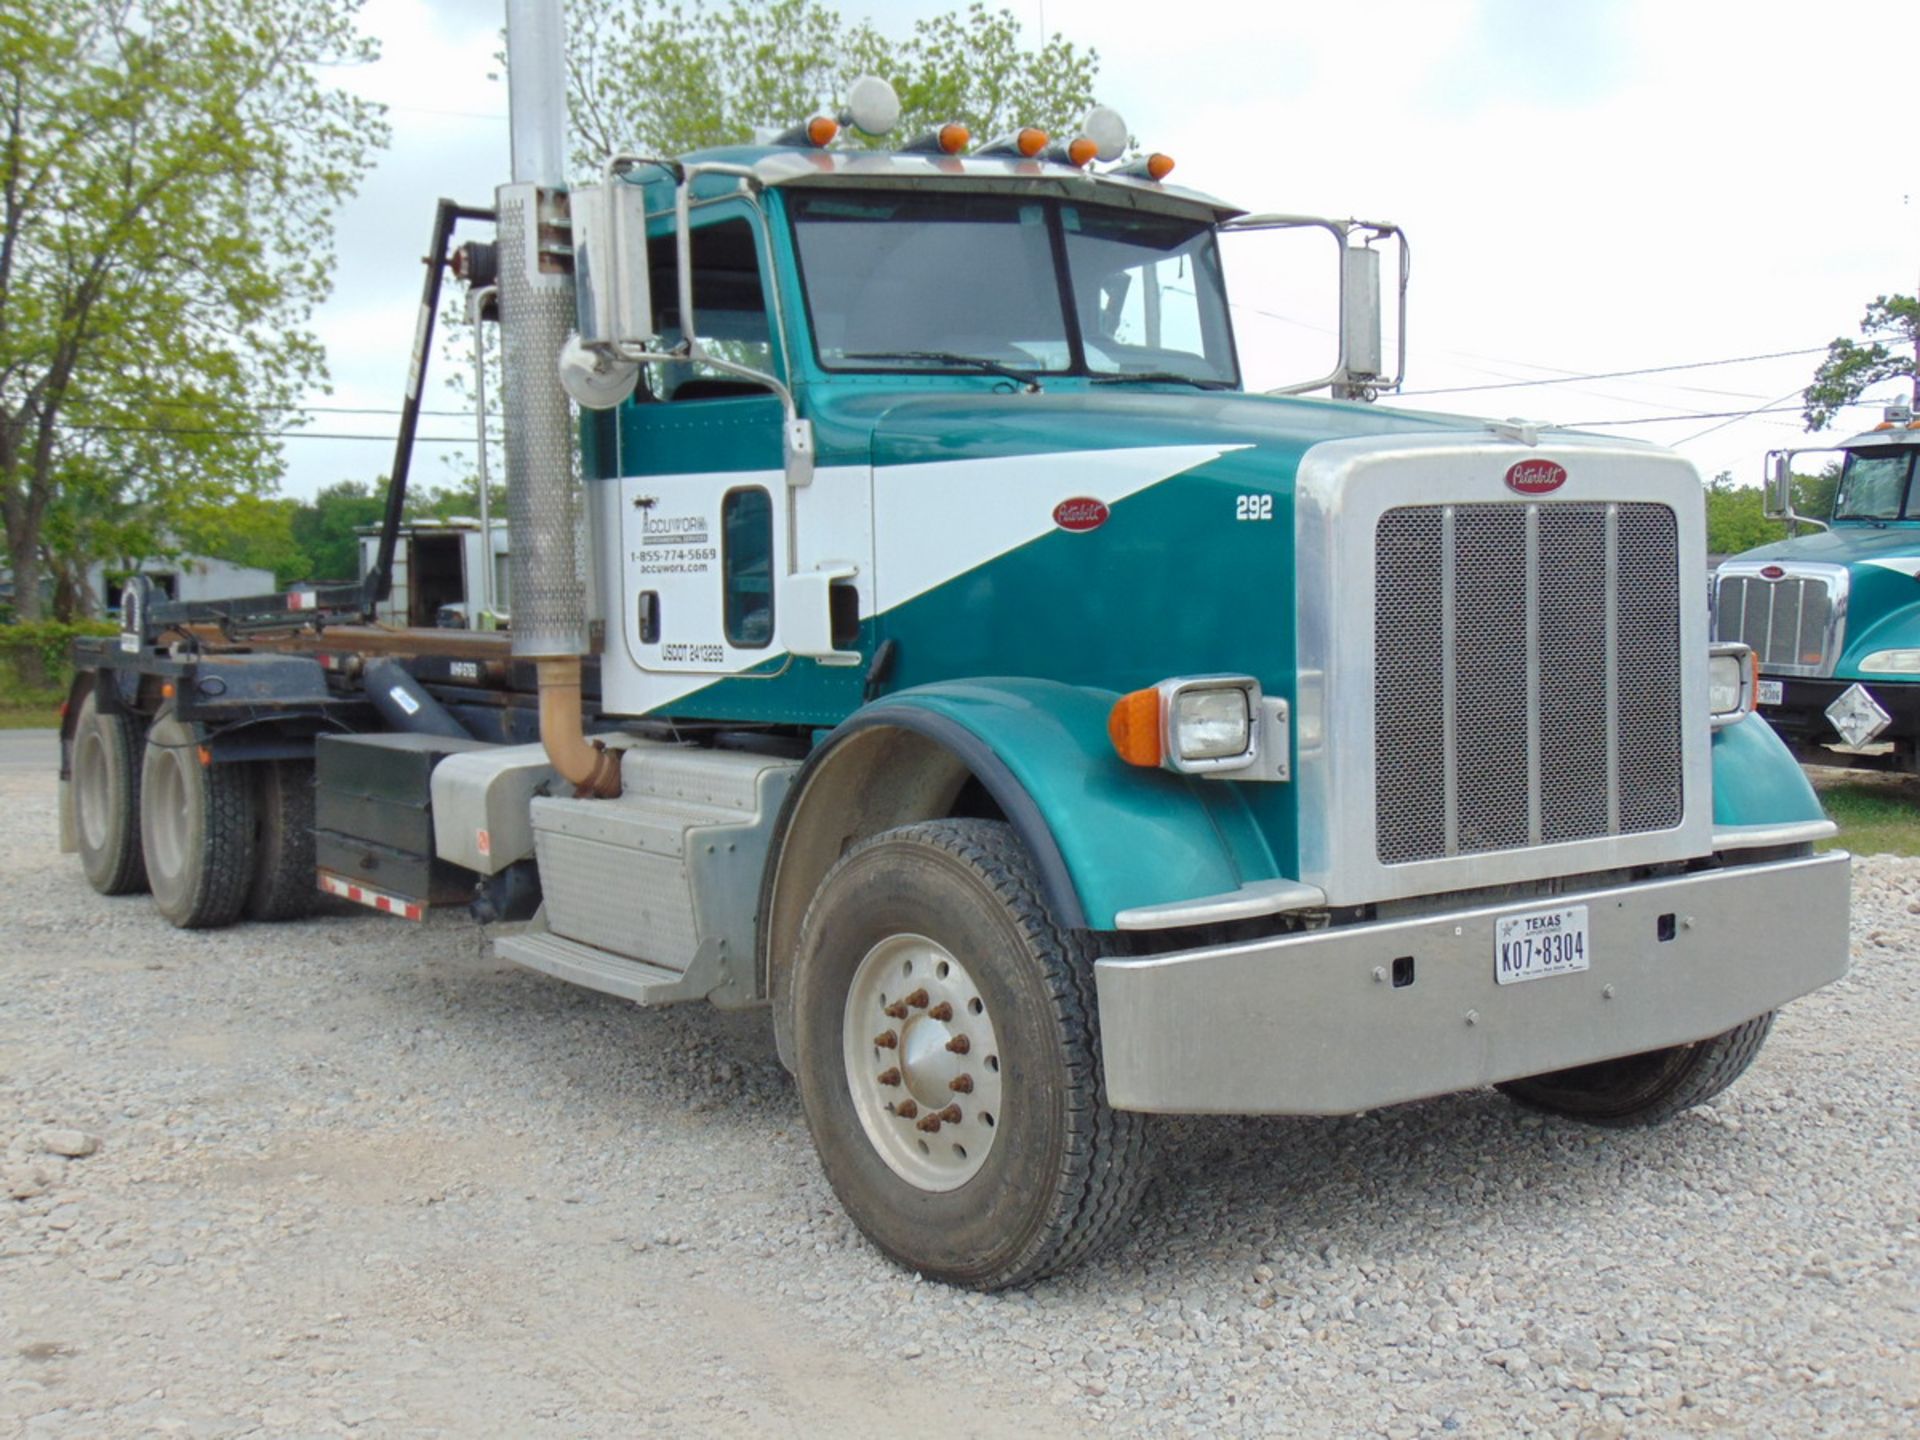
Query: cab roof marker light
(1078, 152)
(817, 133)
(1155, 167)
(1026, 142)
(948, 139)
(872, 106)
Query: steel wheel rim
(90, 769)
(166, 812)
(922, 1062)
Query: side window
(729, 307)
(746, 566)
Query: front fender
(1107, 836)
(1756, 780)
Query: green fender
(1756, 780)
(1106, 835)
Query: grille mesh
(1502, 716)
(1785, 621)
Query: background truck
(1834, 616)
(943, 651)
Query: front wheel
(947, 1051)
(196, 828)
(1648, 1088)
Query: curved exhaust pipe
(587, 765)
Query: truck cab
(1833, 616)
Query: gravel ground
(358, 1177)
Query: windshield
(919, 281)
(1874, 487)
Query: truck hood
(903, 427)
(1845, 545)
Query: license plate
(1540, 943)
(1773, 692)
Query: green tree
(669, 78)
(167, 171)
(325, 528)
(1736, 517)
(1891, 351)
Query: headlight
(1210, 724)
(1195, 724)
(1733, 675)
(1893, 662)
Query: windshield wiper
(950, 357)
(1162, 377)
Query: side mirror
(612, 290)
(1779, 485)
(1360, 344)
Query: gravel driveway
(355, 1176)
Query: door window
(746, 563)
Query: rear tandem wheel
(196, 828)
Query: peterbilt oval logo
(1080, 513)
(1535, 477)
(1772, 572)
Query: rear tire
(106, 799)
(283, 887)
(1649, 1088)
(196, 829)
(1026, 1169)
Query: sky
(1588, 186)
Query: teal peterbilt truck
(939, 648)
(1833, 617)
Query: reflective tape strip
(302, 600)
(372, 899)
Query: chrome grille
(1788, 622)
(1527, 676)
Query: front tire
(1649, 1088)
(947, 1051)
(196, 829)
(106, 799)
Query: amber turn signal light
(1134, 727)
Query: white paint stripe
(935, 522)
(1907, 565)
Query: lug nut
(889, 1077)
(906, 1109)
(918, 1000)
(896, 1011)
(930, 1124)
(962, 1083)
(951, 1114)
(942, 1011)
(886, 1040)
(959, 1045)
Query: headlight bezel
(1205, 687)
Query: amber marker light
(1134, 727)
(953, 138)
(821, 129)
(1031, 141)
(1159, 166)
(1081, 151)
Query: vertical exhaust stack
(548, 601)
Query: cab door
(703, 493)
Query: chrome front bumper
(1312, 1024)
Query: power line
(1618, 374)
(259, 434)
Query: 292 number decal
(1253, 507)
